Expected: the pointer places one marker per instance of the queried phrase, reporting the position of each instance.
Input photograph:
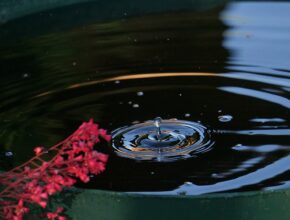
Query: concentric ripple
(224, 74)
(177, 140)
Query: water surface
(226, 68)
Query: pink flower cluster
(36, 180)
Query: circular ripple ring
(178, 140)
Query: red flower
(103, 134)
(37, 179)
(55, 215)
(20, 210)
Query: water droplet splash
(157, 122)
(162, 140)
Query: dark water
(226, 68)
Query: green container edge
(108, 205)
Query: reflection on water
(225, 68)
(258, 37)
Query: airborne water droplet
(157, 122)
(225, 118)
(8, 154)
(140, 93)
(25, 75)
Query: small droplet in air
(157, 121)
(25, 75)
(135, 106)
(225, 118)
(140, 93)
(8, 154)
